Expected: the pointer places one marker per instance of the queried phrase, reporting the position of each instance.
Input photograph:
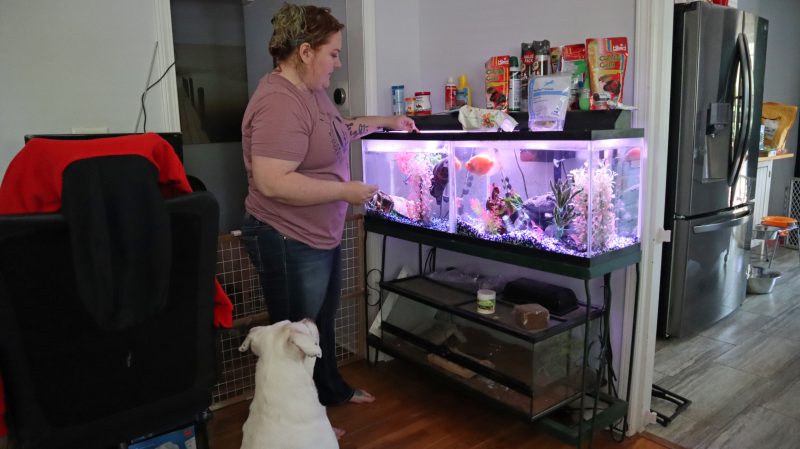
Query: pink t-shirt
(283, 122)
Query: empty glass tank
(576, 197)
(528, 373)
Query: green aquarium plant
(564, 211)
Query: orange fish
(458, 164)
(480, 165)
(633, 154)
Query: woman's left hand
(401, 123)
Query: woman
(295, 147)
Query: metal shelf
(459, 303)
(573, 266)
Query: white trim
(165, 57)
(370, 58)
(652, 73)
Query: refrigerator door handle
(732, 223)
(747, 110)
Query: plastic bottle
(450, 94)
(513, 85)
(463, 94)
(398, 100)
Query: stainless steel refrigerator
(715, 116)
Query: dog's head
(298, 340)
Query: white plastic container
(486, 301)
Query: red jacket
(32, 184)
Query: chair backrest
(71, 382)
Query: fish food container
(422, 103)
(486, 301)
(574, 193)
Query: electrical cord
(144, 110)
(370, 287)
(430, 260)
(524, 183)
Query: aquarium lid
(575, 120)
(458, 135)
(579, 125)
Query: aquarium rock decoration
(604, 219)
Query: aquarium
(530, 371)
(574, 193)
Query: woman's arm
(361, 126)
(277, 179)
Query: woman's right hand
(357, 193)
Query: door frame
(164, 57)
(652, 77)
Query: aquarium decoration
(418, 171)
(440, 179)
(563, 208)
(604, 220)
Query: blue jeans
(299, 282)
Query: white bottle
(450, 94)
(513, 85)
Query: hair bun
(288, 26)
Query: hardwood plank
(736, 327)
(713, 389)
(761, 355)
(676, 355)
(759, 428)
(419, 411)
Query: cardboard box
(497, 83)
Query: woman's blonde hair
(294, 25)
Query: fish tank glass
(573, 193)
(530, 374)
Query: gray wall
(82, 63)
(782, 80)
(218, 165)
(422, 43)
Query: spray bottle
(463, 93)
(450, 94)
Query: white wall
(81, 63)
(422, 43)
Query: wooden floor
(415, 410)
(742, 374)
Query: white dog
(286, 412)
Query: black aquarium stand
(597, 409)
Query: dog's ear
(305, 336)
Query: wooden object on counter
(531, 316)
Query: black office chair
(106, 310)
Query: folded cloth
(33, 180)
(477, 119)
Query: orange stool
(785, 224)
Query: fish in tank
(578, 197)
